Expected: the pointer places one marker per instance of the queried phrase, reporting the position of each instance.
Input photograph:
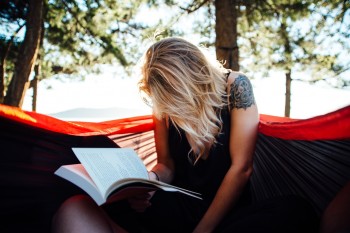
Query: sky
(107, 96)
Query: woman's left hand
(141, 202)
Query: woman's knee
(71, 212)
(82, 214)
(74, 205)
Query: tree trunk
(37, 70)
(34, 85)
(2, 80)
(226, 33)
(26, 56)
(288, 94)
(2, 73)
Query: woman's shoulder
(239, 90)
(233, 76)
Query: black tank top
(206, 175)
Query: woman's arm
(162, 171)
(243, 133)
(165, 165)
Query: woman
(206, 123)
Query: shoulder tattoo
(241, 93)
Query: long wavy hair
(184, 84)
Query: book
(112, 174)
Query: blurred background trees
(71, 38)
(60, 37)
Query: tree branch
(194, 6)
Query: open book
(111, 174)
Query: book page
(77, 174)
(142, 183)
(107, 165)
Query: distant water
(99, 114)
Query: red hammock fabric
(334, 125)
(37, 120)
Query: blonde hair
(186, 86)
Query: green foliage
(306, 36)
(83, 35)
(11, 11)
(12, 16)
(206, 28)
(298, 35)
(88, 32)
(80, 35)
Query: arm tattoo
(241, 93)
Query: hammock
(310, 158)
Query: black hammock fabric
(315, 170)
(310, 158)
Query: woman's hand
(141, 202)
(162, 171)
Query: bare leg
(336, 217)
(81, 214)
